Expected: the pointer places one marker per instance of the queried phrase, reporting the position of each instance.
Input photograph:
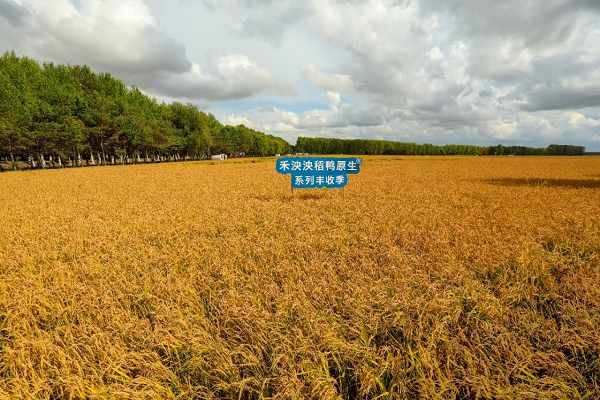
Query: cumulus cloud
(235, 77)
(339, 118)
(333, 99)
(539, 48)
(264, 19)
(334, 82)
(546, 97)
(465, 71)
(122, 37)
(279, 16)
(118, 35)
(474, 66)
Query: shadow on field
(309, 196)
(541, 182)
(288, 198)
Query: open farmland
(430, 277)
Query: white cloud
(579, 120)
(234, 77)
(122, 37)
(333, 99)
(468, 71)
(436, 54)
(112, 34)
(333, 82)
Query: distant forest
(62, 115)
(385, 147)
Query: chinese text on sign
(317, 172)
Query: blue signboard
(318, 172)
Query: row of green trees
(565, 150)
(378, 147)
(552, 150)
(385, 147)
(70, 115)
(500, 150)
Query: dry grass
(472, 277)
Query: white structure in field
(218, 157)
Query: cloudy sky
(428, 71)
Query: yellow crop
(426, 277)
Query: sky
(482, 72)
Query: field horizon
(453, 277)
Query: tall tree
(192, 129)
(16, 101)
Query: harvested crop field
(426, 277)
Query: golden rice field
(426, 278)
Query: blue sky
(456, 71)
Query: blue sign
(318, 172)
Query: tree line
(565, 150)
(63, 115)
(386, 147)
(378, 147)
